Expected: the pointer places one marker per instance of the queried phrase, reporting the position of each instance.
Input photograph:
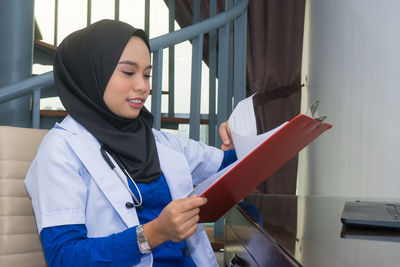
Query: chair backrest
(19, 239)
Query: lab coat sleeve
(56, 183)
(229, 157)
(68, 245)
(203, 160)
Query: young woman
(106, 188)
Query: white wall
(352, 62)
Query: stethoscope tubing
(107, 157)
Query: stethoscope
(107, 155)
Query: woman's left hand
(225, 133)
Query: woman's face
(129, 85)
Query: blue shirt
(68, 245)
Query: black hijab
(84, 63)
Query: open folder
(227, 187)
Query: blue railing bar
(89, 12)
(244, 58)
(156, 88)
(223, 60)
(196, 11)
(212, 65)
(171, 61)
(55, 21)
(195, 95)
(26, 86)
(226, 99)
(116, 9)
(36, 108)
(239, 78)
(229, 98)
(147, 17)
(213, 8)
(49, 91)
(192, 31)
(223, 87)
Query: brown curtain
(274, 49)
(275, 41)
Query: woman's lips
(136, 102)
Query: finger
(224, 134)
(191, 230)
(190, 223)
(198, 202)
(228, 130)
(186, 204)
(186, 232)
(188, 216)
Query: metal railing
(32, 86)
(231, 25)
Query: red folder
(261, 163)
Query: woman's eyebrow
(133, 64)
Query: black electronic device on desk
(374, 214)
(371, 234)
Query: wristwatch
(144, 246)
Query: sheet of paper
(242, 124)
(198, 190)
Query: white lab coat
(70, 183)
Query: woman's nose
(141, 84)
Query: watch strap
(144, 246)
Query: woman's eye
(147, 76)
(128, 73)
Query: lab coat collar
(71, 125)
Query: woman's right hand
(177, 221)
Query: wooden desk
(271, 230)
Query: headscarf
(84, 63)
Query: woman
(87, 211)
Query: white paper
(242, 124)
(198, 190)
